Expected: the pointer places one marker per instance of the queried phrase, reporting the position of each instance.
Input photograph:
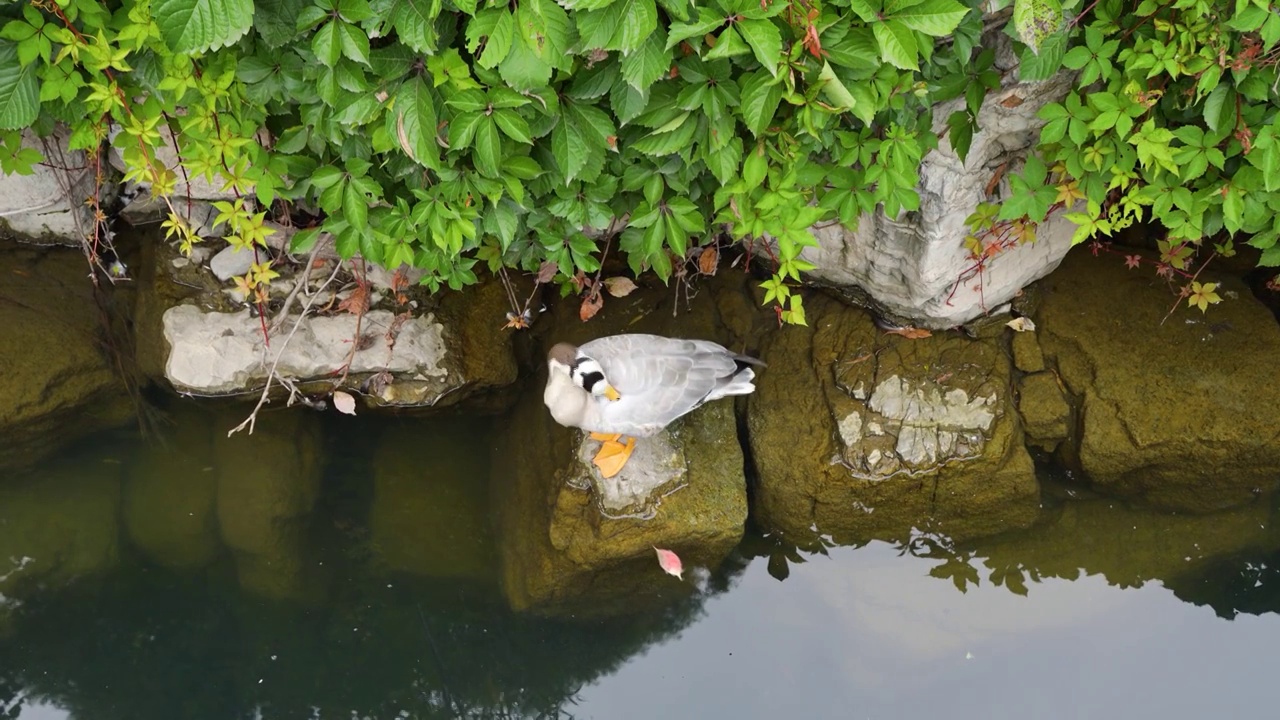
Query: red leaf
(670, 563)
(1132, 261)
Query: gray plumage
(659, 380)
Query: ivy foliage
(450, 134)
(1175, 118)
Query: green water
(138, 585)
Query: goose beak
(612, 394)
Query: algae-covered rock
(1183, 413)
(430, 511)
(59, 524)
(171, 492)
(571, 541)
(860, 434)
(59, 381)
(1045, 412)
(268, 483)
(1027, 355)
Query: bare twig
(262, 400)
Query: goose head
(585, 372)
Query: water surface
(380, 599)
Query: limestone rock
(572, 542)
(1045, 411)
(430, 511)
(1183, 414)
(915, 266)
(170, 495)
(36, 207)
(859, 434)
(268, 483)
(192, 335)
(230, 262)
(59, 383)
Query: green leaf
(19, 91)
(897, 44)
(462, 129)
(355, 44)
(1218, 113)
(523, 69)
(193, 26)
(627, 101)
(1033, 67)
(637, 19)
(765, 42)
(760, 98)
(1036, 20)
(728, 44)
(276, 20)
(648, 64)
(415, 23)
(488, 150)
(708, 21)
(498, 44)
(569, 147)
(937, 18)
(355, 208)
(513, 126)
(414, 123)
(327, 45)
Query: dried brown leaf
(547, 271)
(708, 260)
(910, 333)
(357, 303)
(591, 305)
(619, 286)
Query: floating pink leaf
(670, 562)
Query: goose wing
(659, 378)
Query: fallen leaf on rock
(344, 402)
(910, 333)
(619, 286)
(670, 562)
(591, 305)
(1022, 324)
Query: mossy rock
(268, 483)
(572, 542)
(858, 434)
(1045, 412)
(430, 511)
(1183, 414)
(171, 492)
(59, 382)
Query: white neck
(568, 402)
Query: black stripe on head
(589, 379)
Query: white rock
(216, 353)
(36, 207)
(916, 266)
(231, 262)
